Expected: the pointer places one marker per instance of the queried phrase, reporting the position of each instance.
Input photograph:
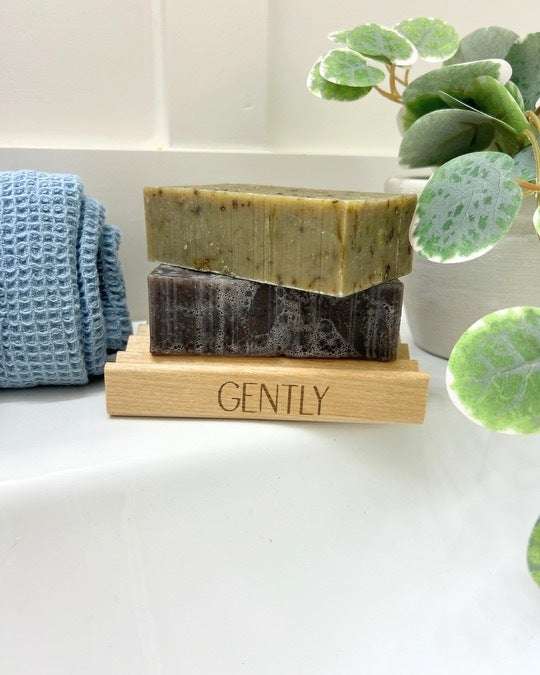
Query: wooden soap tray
(315, 390)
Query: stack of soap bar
(272, 271)
(195, 312)
(333, 243)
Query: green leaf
(456, 78)
(505, 138)
(536, 220)
(515, 93)
(491, 97)
(493, 373)
(533, 553)
(485, 43)
(434, 39)
(347, 67)
(419, 107)
(467, 206)
(425, 104)
(442, 135)
(524, 164)
(382, 43)
(330, 91)
(405, 119)
(459, 101)
(339, 36)
(524, 57)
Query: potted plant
(475, 119)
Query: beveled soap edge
(263, 190)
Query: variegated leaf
(330, 91)
(435, 40)
(467, 206)
(348, 68)
(493, 373)
(492, 42)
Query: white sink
(143, 546)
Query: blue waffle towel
(62, 295)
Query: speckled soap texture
(204, 313)
(334, 243)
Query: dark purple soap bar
(204, 313)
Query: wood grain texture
(323, 390)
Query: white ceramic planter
(442, 300)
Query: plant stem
(393, 86)
(405, 80)
(393, 94)
(387, 94)
(535, 122)
(532, 187)
(533, 119)
(536, 150)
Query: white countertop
(190, 546)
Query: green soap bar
(334, 243)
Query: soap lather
(195, 312)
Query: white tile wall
(206, 74)
(75, 73)
(135, 92)
(216, 70)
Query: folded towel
(62, 295)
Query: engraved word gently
(282, 399)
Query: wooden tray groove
(323, 390)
